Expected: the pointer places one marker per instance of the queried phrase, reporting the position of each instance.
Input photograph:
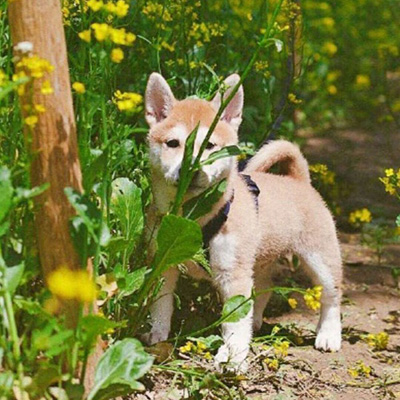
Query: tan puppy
(290, 217)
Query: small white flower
(24, 47)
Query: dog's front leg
(162, 309)
(236, 335)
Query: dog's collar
(215, 224)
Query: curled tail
(287, 154)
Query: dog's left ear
(233, 112)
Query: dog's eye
(173, 143)
(210, 146)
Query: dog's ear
(233, 112)
(159, 99)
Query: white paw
(154, 336)
(328, 340)
(232, 361)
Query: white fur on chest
(223, 251)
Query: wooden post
(53, 140)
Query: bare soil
(370, 303)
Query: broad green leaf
(126, 204)
(178, 240)
(13, 277)
(236, 308)
(202, 204)
(118, 370)
(228, 151)
(6, 192)
(132, 282)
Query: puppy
(287, 217)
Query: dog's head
(171, 122)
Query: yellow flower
(117, 55)
(31, 121)
(40, 108)
(360, 216)
(46, 88)
(95, 5)
(363, 81)
(35, 66)
(281, 349)
(79, 87)
(70, 284)
(329, 48)
(86, 35)
(389, 172)
(293, 99)
(292, 303)
(127, 101)
(378, 341)
(312, 298)
(332, 90)
(359, 369)
(101, 31)
(273, 364)
(187, 348)
(121, 9)
(3, 78)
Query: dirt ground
(370, 303)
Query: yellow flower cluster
(157, 13)
(202, 32)
(359, 369)
(199, 348)
(321, 171)
(281, 349)
(120, 8)
(378, 341)
(272, 363)
(117, 55)
(34, 66)
(3, 78)
(263, 68)
(312, 298)
(70, 284)
(329, 48)
(391, 180)
(360, 216)
(31, 67)
(293, 99)
(128, 101)
(120, 36)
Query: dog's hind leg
(162, 309)
(326, 269)
(262, 282)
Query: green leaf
(236, 308)
(118, 370)
(132, 282)
(13, 277)
(178, 240)
(126, 204)
(93, 326)
(186, 172)
(228, 151)
(212, 342)
(26, 194)
(6, 192)
(93, 170)
(202, 204)
(398, 220)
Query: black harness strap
(215, 224)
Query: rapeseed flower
(95, 5)
(363, 82)
(34, 66)
(391, 180)
(281, 349)
(86, 35)
(329, 48)
(70, 284)
(31, 121)
(117, 55)
(128, 101)
(312, 298)
(292, 303)
(359, 369)
(79, 87)
(46, 88)
(378, 341)
(360, 216)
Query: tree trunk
(52, 142)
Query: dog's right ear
(159, 99)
